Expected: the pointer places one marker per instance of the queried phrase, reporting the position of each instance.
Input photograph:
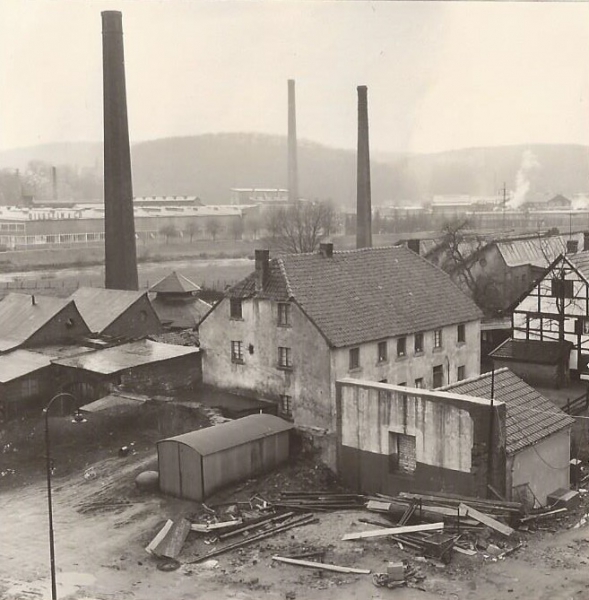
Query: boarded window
(236, 308)
(402, 453)
(562, 288)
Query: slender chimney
(119, 226)
(363, 199)
(54, 182)
(262, 262)
(293, 171)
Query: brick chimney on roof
(363, 196)
(119, 225)
(293, 170)
(262, 261)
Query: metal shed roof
(19, 363)
(211, 440)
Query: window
(402, 453)
(418, 343)
(562, 288)
(286, 405)
(461, 333)
(438, 338)
(70, 323)
(236, 311)
(382, 351)
(283, 314)
(438, 376)
(354, 358)
(402, 346)
(419, 382)
(461, 373)
(236, 352)
(284, 357)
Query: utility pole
(503, 204)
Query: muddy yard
(103, 524)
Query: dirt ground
(103, 523)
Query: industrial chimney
(119, 225)
(363, 200)
(293, 171)
(54, 182)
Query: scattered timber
(541, 515)
(206, 527)
(487, 520)
(259, 524)
(393, 531)
(320, 565)
(170, 540)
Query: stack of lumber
(319, 501)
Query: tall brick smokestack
(119, 226)
(293, 170)
(363, 199)
(54, 182)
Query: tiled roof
(533, 351)
(363, 295)
(21, 316)
(99, 307)
(530, 416)
(174, 283)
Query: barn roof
(217, 438)
(20, 363)
(100, 307)
(126, 356)
(542, 352)
(174, 283)
(363, 295)
(530, 416)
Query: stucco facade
(544, 467)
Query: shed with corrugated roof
(196, 464)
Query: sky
(440, 75)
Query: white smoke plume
(522, 181)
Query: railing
(578, 405)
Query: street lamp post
(49, 501)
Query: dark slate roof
(20, 318)
(100, 307)
(174, 283)
(363, 295)
(231, 434)
(530, 416)
(532, 351)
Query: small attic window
(70, 323)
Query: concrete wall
(66, 326)
(407, 369)
(139, 320)
(543, 466)
(308, 380)
(450, 433)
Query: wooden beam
(487, 520)
(393, 531)
(159, 537)
(319, 565)
(173, 541)
(206, 527)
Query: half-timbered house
(550, 325)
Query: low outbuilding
(196, 464)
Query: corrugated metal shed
(538, 251)
(20, 363)
(196, 464)
(126, 356)
(100, 307)
(22, 315)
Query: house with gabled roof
(537, 435)
(117, 313)
(298, 323)
(27, 321)
(549, 342)
(176, 301)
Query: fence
(578, 405)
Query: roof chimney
(326, 249)
(262, 268)
(363, 198)
(33, 301)
(293, 172)
(119, 225)
(413, 245)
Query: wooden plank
(319, 565)
(378, 506)
(159, 537)
(393, 531)
(473, 513)
(465, 551)
(545, 514)
(206, 527)
(171, 545)
(255, 525)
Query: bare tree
(169, 231)
(237, 228)
(301, 226)
(191, 229)
(252, 223)
(213, 227)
